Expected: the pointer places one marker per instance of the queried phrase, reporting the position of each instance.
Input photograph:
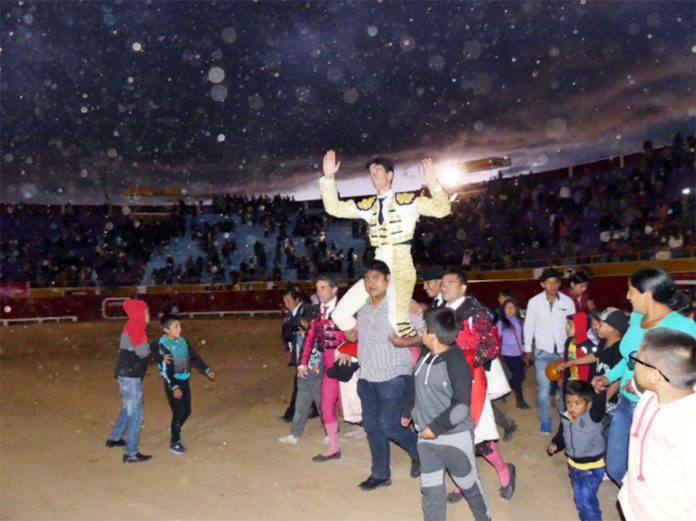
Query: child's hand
(211, 376)
(405, 422)
(177, 394)
(167, 358)
(600, 383)
(552, 449)
(629, 387)
(427, 434)
(302, 371)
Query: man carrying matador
(392, 219)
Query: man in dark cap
(545, 327)
(432, 279)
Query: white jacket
(546, 325)
(660, 483)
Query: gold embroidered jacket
(400, 211)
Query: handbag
(497, 381)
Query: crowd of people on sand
(622, 383)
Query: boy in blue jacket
(177, 374)
(580, 434)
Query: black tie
(380, 219)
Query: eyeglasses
(633, 360)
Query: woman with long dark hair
(510, 329)
(577, 291)
(652, 293)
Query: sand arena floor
(59, 400)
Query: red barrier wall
(605, 291)
(89, 307)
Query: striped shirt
(379, 360)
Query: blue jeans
(543, 385)
(617, 441)
(585, 487)
(130, 419)
(381, 409)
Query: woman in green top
(652, 293)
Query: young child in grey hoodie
(438, 402)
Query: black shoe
(285, 419)
(177, 448)
(136, 458)
(320, 457)
(454, 497)
(372, 483)
(509, 431)
(521, 404)
(415, 468)
(507, 492)
(115, 443)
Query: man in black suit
(292, 332)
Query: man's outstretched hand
(428, 172)
(330, 164)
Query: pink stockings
(330, 395)
(496, 459)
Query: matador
(392, 219)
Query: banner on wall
(14, 289)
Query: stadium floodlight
(450, 175)
(453, 174)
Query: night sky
(246, 96)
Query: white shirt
(294, 311)
(327, 308)
(545, 323)
(456, 303)
(438, 301)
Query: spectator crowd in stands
(637, 212)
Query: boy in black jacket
(176, 376)
(438, 401)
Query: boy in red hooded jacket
(577, 345)
(133, 356)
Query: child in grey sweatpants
(438, 401)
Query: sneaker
(415, 468)
(372, 483)
(319, 458)
(136, 458)
(177, 448)
(115, 443)
(508, 491)
(510, 431)
(289, 440)
(454, 497)
(546, 428)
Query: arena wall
(87, 304)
